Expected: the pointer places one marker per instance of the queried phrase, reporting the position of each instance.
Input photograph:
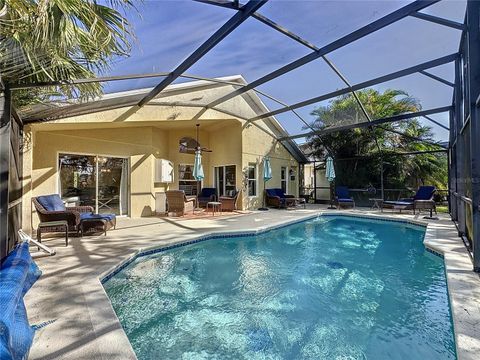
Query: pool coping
(462, 283)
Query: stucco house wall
(153, 132)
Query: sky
(168, 31)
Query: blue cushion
(280, 193)
(18, 272)
(207, 192)
(398, 203)
(345, 200)
(424, 193)
(342, 192)
(51, 202)
(108, 217)
(271, 192)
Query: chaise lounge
(78, 219)
(423, 199)
(277, 198)
(50, 208)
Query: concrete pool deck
(76, 320)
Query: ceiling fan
(189, 145)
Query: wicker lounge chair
(343, 198)
(229, 203)
(51, 208)
(423, 199)
(206, 195)
(277, 198)
(179, 203)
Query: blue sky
(168, 31)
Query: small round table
(215, 205)
(377, 204)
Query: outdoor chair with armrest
(50, 208)
(343, 198)
(206, 195)
(179, 203)
(229, 203)
(277, 198)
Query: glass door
(225, 180)
(219, 180)
(112, 185)
(97, 181)
(78, 179)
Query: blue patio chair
(206, 195)
(423, 195)
(343, 198)
(277, 198)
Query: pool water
(329, 288)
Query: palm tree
(360, 147)
(54, 40)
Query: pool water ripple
(346, 288)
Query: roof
(174, 95)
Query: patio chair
(277, 198)
(179, 203)
(50, 208)
(229, 203)
(343, 198)
(423, 199)
(206, 195)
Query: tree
(361, 151)
(54, 40)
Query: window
(186, 181)
(252, 179)
(225, 180)
(98, 181)
(283, 179)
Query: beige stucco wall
(136, 144)
(256, 144)
(142, 135)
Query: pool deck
(76, 320)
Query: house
(108, 153)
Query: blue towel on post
(18, 273)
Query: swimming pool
(335, 287)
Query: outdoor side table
(377, 204)
(424, 205)
(94, 223)
(215, 205)
(48, 224)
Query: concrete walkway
(75, 315)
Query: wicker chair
(205, 196)
(179, 203)
(51, 208)
(277, 198)
(229, 203)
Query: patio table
(215, 205)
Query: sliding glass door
(225, 180)
(97, 181)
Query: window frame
(284, 179)
(254, 166)
(194, 183)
